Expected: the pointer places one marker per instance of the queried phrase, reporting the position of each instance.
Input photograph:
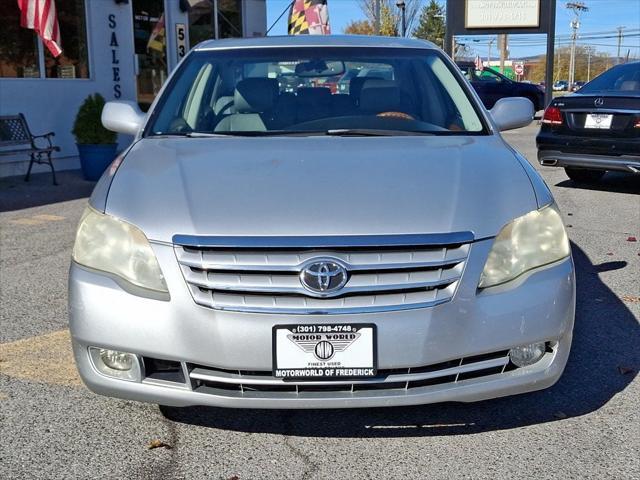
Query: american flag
(41, 16)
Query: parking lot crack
(311, 468)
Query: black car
(596, 128)
(492, 86)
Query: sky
(603, 17)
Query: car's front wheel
(583, 175)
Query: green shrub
(88, 128)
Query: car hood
(294, 186)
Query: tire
(583, 175)
(169, 413)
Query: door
(150, 38)
(491, 87)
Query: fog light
(112, 363)
(526, 355)
(117, 360)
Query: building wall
(51, 104)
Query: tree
(359, 27)
(388, 26)
(388, 23)
(431, 23)
(600, 61)
(390, 15)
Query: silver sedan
(267, 248)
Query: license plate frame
(296, 359)
(598, 121)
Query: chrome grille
(213, 380)
(252, 278)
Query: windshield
(624, 79)
(311, 90)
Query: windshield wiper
(371, 132)
(185, 134)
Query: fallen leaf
(625, 370)
(234, 477)
(158, 444)
(632, 239)
(630, 299)
(610, 254)
(560, 415)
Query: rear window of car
(621, 79)
(298, 90)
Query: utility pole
(376, 13)
(551, 35)
(589, 51)
(578, 8)
(620, 35)
(402, 6)
(489, 56)
(502, 45)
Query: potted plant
(96, 145)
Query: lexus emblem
(324, 277)
(598, 102)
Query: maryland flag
(309, 17)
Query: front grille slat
(217, 376)
(267, 281)
(211, 380)
(419, 257)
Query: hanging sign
(502, 14)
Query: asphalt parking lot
(586, 426)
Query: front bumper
(539, 306)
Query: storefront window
(21, 50)
(73, 63)
(200, 22)
(151, 48)
(229, 18)
(18, 46)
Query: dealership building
(122, 49)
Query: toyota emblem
(324, 277)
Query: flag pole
(278, 19)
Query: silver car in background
(261, 247)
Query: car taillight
(552, 115)
(637, 125)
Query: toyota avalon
(272, 244)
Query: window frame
(41, 56)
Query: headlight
(105, 243)
(533, 240)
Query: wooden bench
(14, 132)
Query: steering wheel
(398, 115)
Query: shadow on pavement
(606, 338)
(16, 194)
(616, 182)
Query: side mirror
(512, 112)
(122, 117)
